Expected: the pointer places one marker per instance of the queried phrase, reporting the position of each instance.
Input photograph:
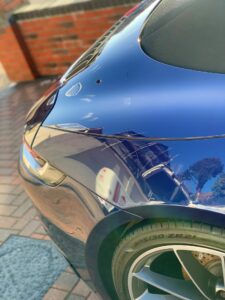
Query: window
(187, 33)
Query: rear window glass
(187, 33)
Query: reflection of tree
(219, 188)
(202, 171)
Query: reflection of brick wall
(43, 45)
(58, 41)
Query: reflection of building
(149, 162)
(139, 155)
(110, 187)
(204, 197)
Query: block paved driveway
(17, 216)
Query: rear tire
(163, 235)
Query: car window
(187, 33)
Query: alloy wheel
(176, 272)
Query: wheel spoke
(220, 285)
(200, 276)
(147, 296)
(185, 290)
(223, 268)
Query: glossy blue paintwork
(147, 172)
(118, 131)
(140, 94)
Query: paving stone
(30, 228)
(16, 180)
(54, 294)
(18, 190)
(36, 217)
(7, 222)
(90, 284)
(5, 233)
(40, 230)
(84, 274)
(6, 198)
(6, 188)
(94, 296)
(22, 222)
(69, 270)
(6, 171)
(38, 236)
(22, 209)
(20, 199)
(81, 289)
(6, 148)
(6, 210)
(5, 164)
(66, 281)
(6, 179)
(75, 297)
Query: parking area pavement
(17, 216)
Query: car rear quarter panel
(127, 172)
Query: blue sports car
(124, 156)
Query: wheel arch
(107, 234)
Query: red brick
(11, 65)
(7, 6)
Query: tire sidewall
(150, 237)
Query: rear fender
(107, 234)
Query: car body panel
(127, 173)
(144, 96)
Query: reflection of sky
(188, 153)
(158, 100)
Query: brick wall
(55, 42)
(9, 5)
(12, 57)
(42, 44)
